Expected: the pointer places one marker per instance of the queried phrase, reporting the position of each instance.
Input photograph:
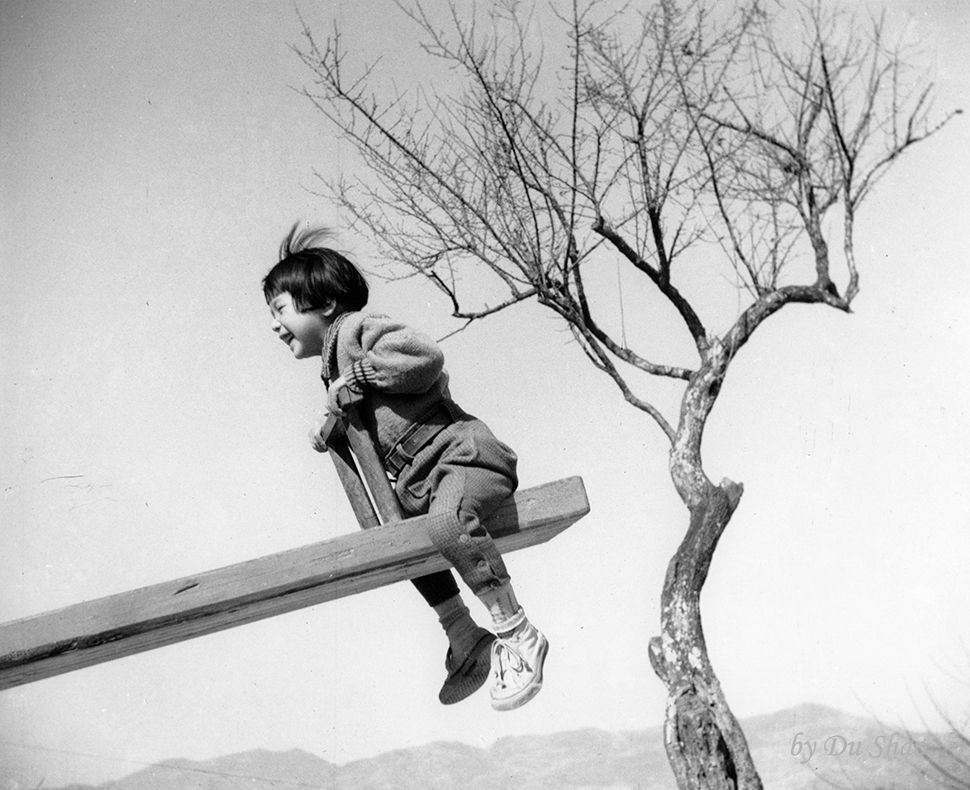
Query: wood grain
(101, 630)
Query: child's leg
(436, 588)
(458, 481)
(463, 497)
(468, 659)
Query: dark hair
(313, 274)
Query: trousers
(459, 479)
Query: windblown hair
(313, 274)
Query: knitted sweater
(399, 370)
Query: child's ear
(329, 308)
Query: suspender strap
(416, 438)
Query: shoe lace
(510, 661)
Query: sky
(152, 156)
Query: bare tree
(937, 755)
(656, 136)
(942, 759)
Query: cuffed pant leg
(464, 496)
(435, 588)
(459, 480)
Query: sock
(502, 605)
(457, 622)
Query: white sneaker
(517, 662)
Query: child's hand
(333, 406)
(316, 436)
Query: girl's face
(304, 333)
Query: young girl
(442, 461)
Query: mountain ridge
(806, 747)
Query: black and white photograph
(485, 394)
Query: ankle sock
(458, 625)
(502, 605)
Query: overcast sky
(152, 155)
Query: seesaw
(93, 632)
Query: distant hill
(805, 748)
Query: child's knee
(485, 491)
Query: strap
(416, 438)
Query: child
(442, 461)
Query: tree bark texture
(705, 745)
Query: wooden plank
(369, 463)
(90, 633)
(349, 475)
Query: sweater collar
(330, 350)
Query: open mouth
(286, 338)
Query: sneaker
(517, 662)
(468, 675)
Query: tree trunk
(705, 744)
